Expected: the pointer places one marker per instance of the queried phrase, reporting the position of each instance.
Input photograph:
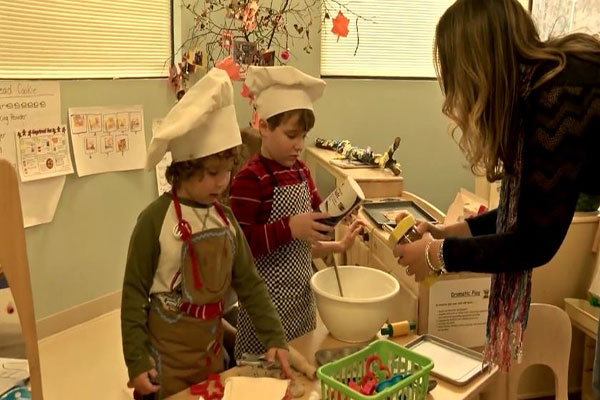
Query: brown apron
(186, 334)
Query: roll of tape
(396, 235)
(400, 230)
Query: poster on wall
(161, 168)
(458, 310)
(43, 152)
(26, 105)
(107, 139)
(560, 17)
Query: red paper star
(229, 66)
(340, 25)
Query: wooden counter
(373, 250)
(320, 338)
(374, 182)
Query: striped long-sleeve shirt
(251, 200)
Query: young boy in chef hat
(187, 250)
(275, 198)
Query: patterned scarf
(510, 293)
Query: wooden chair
(547, 341)
(13, 262)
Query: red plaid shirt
(251, 200)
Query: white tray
(451, 362)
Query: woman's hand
(438, 231)
(412, 256)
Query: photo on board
(107, 144)
(135, 119)
(78, 123)
(123, 121)
(95, 122)
(90, 145)
(122, 143)
(110, 122)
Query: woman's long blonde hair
(480, 46)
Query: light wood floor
(85, 362)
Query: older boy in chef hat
(275, 198)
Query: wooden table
(489, 385)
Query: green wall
(80, 255)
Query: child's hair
(306, 119)
(480, 46)
(178, 172)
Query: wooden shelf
(374, 182)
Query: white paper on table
(458, 310)
(251, 388)
(25, 104)
(107, 139)
(43, 152)
(161, 168)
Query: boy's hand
(283, 358)
(348, 240)
(307, 227)
(142, 383)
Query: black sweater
(561, 159)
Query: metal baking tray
(451, 362)
(376, 211)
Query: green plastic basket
(335, 376)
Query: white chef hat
(280, 89)
(202, 123)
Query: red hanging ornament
(228, 65)
(340, 25)
(285, 55)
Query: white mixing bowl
(365, 307)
